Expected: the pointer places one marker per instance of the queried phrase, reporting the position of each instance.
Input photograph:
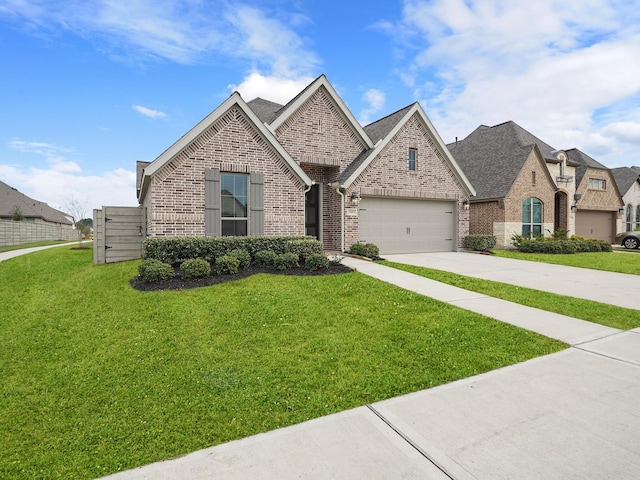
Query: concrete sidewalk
(570, 415)
(25, 251)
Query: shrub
(304, 248)
(174, 250)
(153, 270)
(316, 261)
(195, 268)
(243, 257)
(480, 243)
(573, 245)
(560, 234)
(227, 265)
(265, 258)
(368, 250)
(286, 261)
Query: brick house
(308, 167)
(525, 186)
(628, 181)
(598, 204)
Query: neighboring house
(598, 202)
(516, 191)
(32, 210)
(628, 182)
(527, 187)
(308, 167)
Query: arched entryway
(561, 211)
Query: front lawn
(9, 248)
(609, 261)
(96, 377)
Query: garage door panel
(407, 225)
(596, 224)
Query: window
(597, 184)
(628, 223)
(531, 217)
(413, 153)
(561, 165)
(638, 216)
(233, 200)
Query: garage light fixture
(574, 207)
(355, 198)
(621, 211)
(465, 204)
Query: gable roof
(385, 130)
(582, 162)
(10, 198)
(234, 100)
(492, 157)
(625, 177)
(321, 82)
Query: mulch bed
(178, 283)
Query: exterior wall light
(355, 198)
(574, 207)
(465, 204)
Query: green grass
(609, 315)
(9, 248)
(96, 377)
(609, 261)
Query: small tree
(16, 214)
(78, 210)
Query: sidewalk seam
(414, 445)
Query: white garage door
(408, 226)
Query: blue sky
(89, 87)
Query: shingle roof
(625, 177)
(582, 162)
(381, 128)
(10, 198)
(265, 110)
(140, 166)
(492, 157)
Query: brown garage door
(596, 224)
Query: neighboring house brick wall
(605, 200)
(482, 215)
(176, 206)
(389, 175)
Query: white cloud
(56, 188)
(148, 112)
(272, 88)
(551, 65)
(375, 100)
(61, 179)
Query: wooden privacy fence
(118, 233)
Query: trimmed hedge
(480, 243)
(153, 271)
(573, 245)
(316, 261)
(304, 248)
(265, 258)
(227, 265)
(174, 250)
(195, 268)
(243, 257)
(368, 250)
(286, 261)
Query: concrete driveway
(618, 289)
(570, 415)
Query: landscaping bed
(180, 283)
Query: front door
(312, 212)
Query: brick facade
(315, 142)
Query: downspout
(339, 187)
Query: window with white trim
(597, 184)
